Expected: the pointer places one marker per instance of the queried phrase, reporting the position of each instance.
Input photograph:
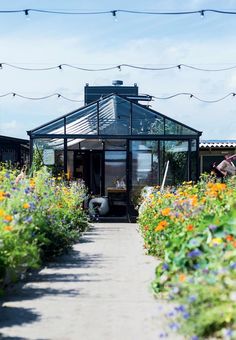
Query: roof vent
(117, 82)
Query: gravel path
(99, 291)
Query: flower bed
(193, 231)
(40, 217)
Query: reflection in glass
(115, 168)
(146, 122)
(176, 152)
(145, 166)
(114, 116)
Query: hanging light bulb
(202, 13)
(179, 66)
(119, 68)
(1, 66)
(114, 15)
(60, 67)
(27, 14)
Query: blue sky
(100, 41)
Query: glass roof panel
(114, 116)
(146, 122)
(174, 128)
(83, 122)
(56, 127)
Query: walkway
(99, 291)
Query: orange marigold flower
(190, 227)
(146, 227)
(182, 277)
(165, 212)
(32, 182)
(8, 218)
(234, 244)
(161, 226)
(8, 228)
(26, 206)
(229, 238)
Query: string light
(114, 12)
(191, 95)
(118, 67)
(59, 95)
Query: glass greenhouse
(116, 140)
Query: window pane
(115, 168)
(174, 128)
(145, 166)
(176, 152)
(115, 144)
(114, 116)
(146, 122)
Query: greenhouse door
(88, 166)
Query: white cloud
(215, 120)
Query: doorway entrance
(88, 165)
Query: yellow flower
(182, 277)
(165, 212)
(32, 182)
(8, 218)
(1, 212)
(215, 241)
(8, 228)
(26, 206)
(161, 226)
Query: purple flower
(163, 335)
(228, 332)
(196, 266)
(186, 315)
(28, 219)
(175, 290)
(32, 206)
(180, 309)
(27, 190)
(233, 265)
(194, 337)
(174, 326)
(165, 266)
(170, 314)
(192, 298)
(194, 253)
(212, 227)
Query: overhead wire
(114, 12)
(118, 67)
(59, 95)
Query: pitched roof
(113, 115)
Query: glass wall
(176, 152)
(115, 168)
(49, 152)
(144, 166)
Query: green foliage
(40, 217)
(192, 228)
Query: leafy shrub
(193, 230)
(40, 217)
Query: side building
(14, 150)
(213, 151)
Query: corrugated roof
(218, 144)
